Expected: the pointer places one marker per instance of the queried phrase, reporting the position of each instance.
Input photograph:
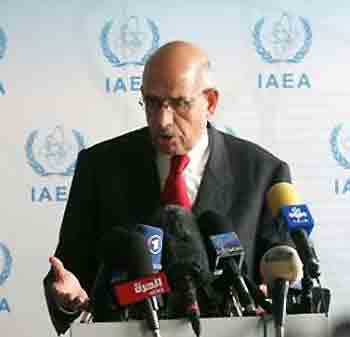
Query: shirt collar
(198, 152)
(197, 155)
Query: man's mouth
(167, 137)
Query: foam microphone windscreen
(281, 262)
(282, 194)
(184, 251)
(212, 223)
(126, 251)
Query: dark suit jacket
(116, 183)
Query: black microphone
(102, 305)
(280, 267)
(185, 260)
(226, 252)
(113, 265)
(126, 252)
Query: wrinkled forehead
(171, 79)
(169, 86)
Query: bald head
(178, 63)
(178, 96)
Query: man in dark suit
(119, 182)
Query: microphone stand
(233, 307)
(306, 293)
(279, 293)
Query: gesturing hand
(66, 288)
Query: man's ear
(212, 99)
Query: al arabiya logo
(54, 152)
(285, 39)
(129, 42)
(5, 263)
(340, 145)
(3, 43)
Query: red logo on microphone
(141, 288)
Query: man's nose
(165, 115)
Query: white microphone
(280, 267)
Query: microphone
(102, 306)
(185, 260)
(226, 256)
(280, 267)
(126, 253)
(141, 288)
(154, 242)
(285, 204)
(113, 268)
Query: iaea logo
(3, 43)
(5, 263)
(129, 42)
(284, 39)
(54, 152)
(340, 145)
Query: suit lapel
(216, 191)
(146, 178)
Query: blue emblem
(297, 217)
(3, 43)
(130, 43)
(340, 145)
(5, 263)
(154, 244)
(54, 152)
(287, 39)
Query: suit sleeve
(78, 236)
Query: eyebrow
(168, 97)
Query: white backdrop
(69, 78)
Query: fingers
(57, 267)
(71, 302)
(263, 288)
(82, 302)
(66, 288)
(260, 311)
(78, 303)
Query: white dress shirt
(193, 173)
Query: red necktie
(175, 192)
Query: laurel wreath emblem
(113, 59)
(5, 273)
(38, 168)
(266, 55)
(335, 148)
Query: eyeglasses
(180, 104)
